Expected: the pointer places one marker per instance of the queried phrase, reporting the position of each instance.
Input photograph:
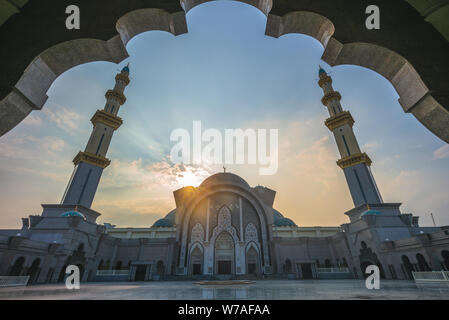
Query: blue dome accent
(73, 214)
(371, 213)
(322, 71)
(161, 223)
(171, 215)
(277, 215)
(284, 222)
(126, 68)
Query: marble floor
(261, 290)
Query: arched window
(288, 266)
(422, 263)
(407, 266)
(16, 269)
(34, 270)
(160, 268)
(445, 255)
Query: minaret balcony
(353, 160)
(91, 158)
(118, 96)
(339, 120)
(331, 96)
(107, 119)
(122, 77)
(323, 80)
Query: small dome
(162, 223)
(371, 213)
(171, 215)
(277, 215)
(223, 178)
(73, 214)
(284, 222)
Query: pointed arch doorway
(224, 254)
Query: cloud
(63, 117)
(29, 147)
(404, 186)
(32, 120)
(371, 146)
(142, 193)
(441, 153)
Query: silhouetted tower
(355, 164)
(89, 164)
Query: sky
(226, 73)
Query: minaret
(89, 164)
(355, 164)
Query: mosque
(223, 229)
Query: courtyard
(257, 290)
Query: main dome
(224, 178)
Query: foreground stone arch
(52, 49)
(263, 5)
(408, 51)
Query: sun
(189, 178)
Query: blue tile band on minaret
(89, 164)
(355, 164)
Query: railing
(112, 272)
(431, 276)
(333, 270)
(13, 281)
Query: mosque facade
(222, 229)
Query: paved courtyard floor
(261, 290)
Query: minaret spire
(89, 164)
(355, 164)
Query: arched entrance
(196, 261)
(224, 254)
(252, 261)
(368, 257)
(16, 269)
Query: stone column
(241, 219)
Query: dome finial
(321, 70)
(126, 68)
